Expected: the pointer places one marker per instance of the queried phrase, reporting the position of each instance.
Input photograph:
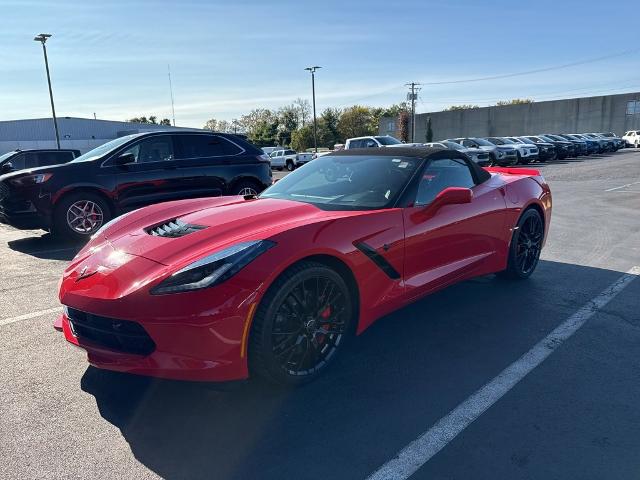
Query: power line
(539, 70)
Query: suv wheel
(80, 215)
(246, 187)
(290, 165)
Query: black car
(581, 145)
(34, 158)
(75, 199)
(565, 147)
(592, 145)
(546, 150)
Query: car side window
(370, 143)
(200, 146)
(53, 158)
(440, 174)
(355, 144)
(467, 143)
(152, 149)
(18, 162)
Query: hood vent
(173, 229)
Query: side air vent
(173, 229)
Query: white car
(526, 153)
(374, 142)
(281, 159)
(632, 138)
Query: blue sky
(227, 57)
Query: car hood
(46, 169)
(218, 223)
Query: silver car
(478, 155)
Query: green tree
(287, 123)
(212, 124)
(328, 134)
(356, 121)
(429, 130)
(302, 138)
(303, 108)
(403, 126)
(165, 121)
(514, 101)
(460, 107)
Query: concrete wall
(576, 115)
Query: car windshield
(507, 141)
(387, 140)
(483, 142)
(103, 149)
(496, 141)
(527, 140)
(452, 145)
(4, 156)
(354, 182)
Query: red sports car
(225, 288)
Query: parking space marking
(27, 316)
(421, 450)
(621, 187)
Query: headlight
(31, 179)
(213, 269)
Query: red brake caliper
(326, 313)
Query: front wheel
(301, 324)
(80, 215)
(290, 166)
(526, 245)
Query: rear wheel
(290, 165)
(301, 324)
(79, 215)
(246, 187)
(526, 245)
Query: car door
(454, 241)
(152, 177)
(208, 163)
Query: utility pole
(413, 96)
(173, 112)
(42, 38)
(313, 92)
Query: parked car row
(506, 151)
(77, 198)
(33, 158)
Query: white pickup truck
(281, 159)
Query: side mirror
(125, 159)
(453, 196)
(6, 168)
(448, 196)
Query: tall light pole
(42, 38)
(313, 91)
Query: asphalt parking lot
(575, 415)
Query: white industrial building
(78, 133)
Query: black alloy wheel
(300, 325)
(526, 245)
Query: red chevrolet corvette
(226, 288)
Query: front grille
(483, 156)
(173, 229)
(119, 335)
(4, 191)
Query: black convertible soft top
(417, 152)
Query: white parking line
(421, 450)
(27, 316)
(621, 187)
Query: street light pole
(42, 38)
(313, 92)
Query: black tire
(246, 187)
(523, 160)
(309, 344)
(96, 213)
(526, 244)
(290, 166)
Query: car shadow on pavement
(45, 246)
(403, 374)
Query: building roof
(73, 128)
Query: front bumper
(196, 336)
(19, 211)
